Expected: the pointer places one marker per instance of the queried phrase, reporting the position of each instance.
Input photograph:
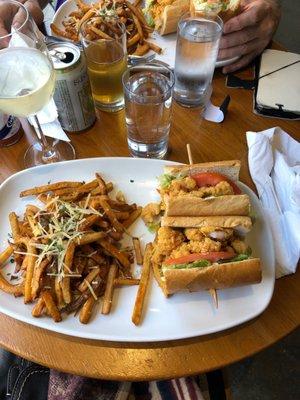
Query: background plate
(181, 316)
(167, 42)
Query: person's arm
(249, 33)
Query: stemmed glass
(27, 80)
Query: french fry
(89, 238)
(154, 47)
(63, 192)
(86, 310)
(48, 188)
(89, 221)
(51, 306)
(109, 290)
(133, 40)
(58, 293)
(86, 16)
(38, 308)
(141, 49)
(89, 278)
(138, 26)
(114, 235)
(65, 283)
(140, 297)
(133, 217)
(111, 216)
(137, 250)
(14, 225)
(122, 215)
(83, 6)
(59, 32)
(37, 273)
(126, 282)
(36, 230)
(100, 33)
(30, 264)
(17, 290)
(136, 12)
(101, 184)
(5, 254)
(120, 197)
(113, 251)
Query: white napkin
(48, 115)
(274, 163)
(49, 123)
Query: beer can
(10, 131)
(72, 95)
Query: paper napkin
(274, 163)
(48, 115)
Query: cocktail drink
(27, 80)
(196, 54)
(148, 99)
(106, 59)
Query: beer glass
(106, 58)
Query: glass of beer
(104, 43)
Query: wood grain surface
(148, 361)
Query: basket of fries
(72, 14)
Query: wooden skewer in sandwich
(213, 292)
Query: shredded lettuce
(153, 227)
(165, 180)
(195, 264)
(240, 257)
(147, 13)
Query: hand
(249, 33)
(10, 14)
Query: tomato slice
(212, 179)
(212, 256)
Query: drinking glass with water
(197, 48)
(148, 98)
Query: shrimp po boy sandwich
(203, 189)
(201, 253)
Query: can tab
(66, 57)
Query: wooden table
(147, 361)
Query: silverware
(134, 60)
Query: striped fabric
(71, 387)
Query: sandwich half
(203, 190)
(203, 253)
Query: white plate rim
(39, 322)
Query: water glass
(148, 99)
(197, 48)
(106, 59)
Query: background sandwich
(163, 15)
(203, 189)
(226, 9)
